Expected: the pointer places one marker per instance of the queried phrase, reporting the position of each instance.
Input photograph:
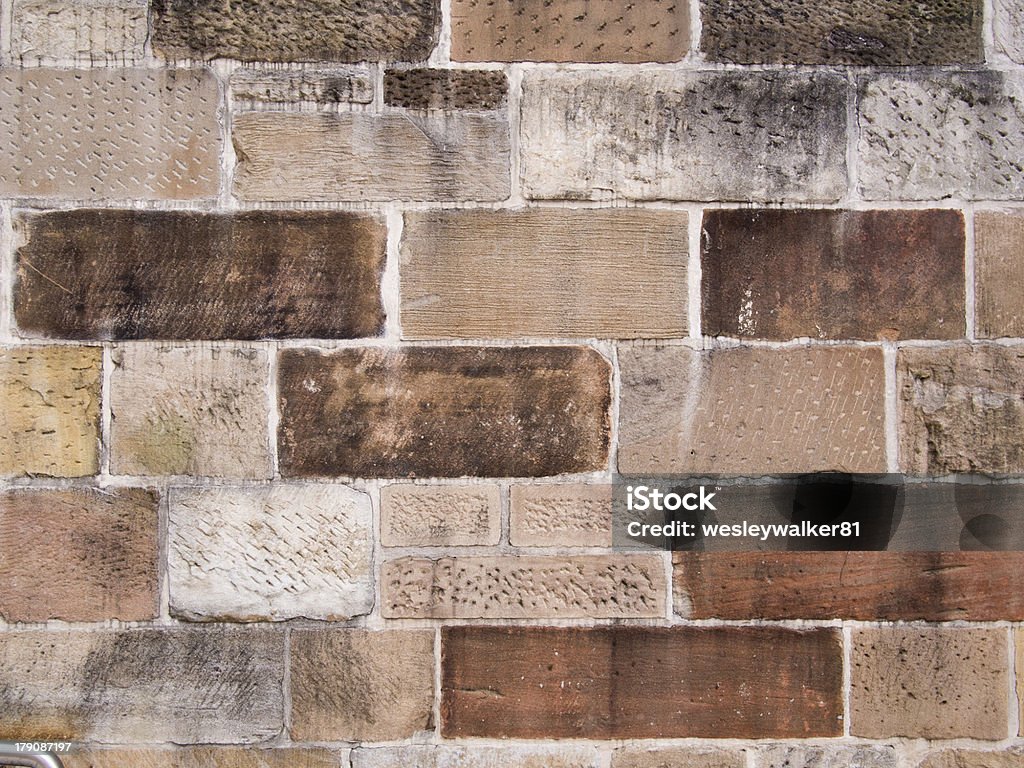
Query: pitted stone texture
(751, 410)
(523, 587)
(677, 757)
(781, 756)
(270, 553)
(570, 30)
(78, 554)
(366, 157)
(544, 273)
(440, 515)
(862, 274)
(106, 31)
(1008, 26)
(999, 274)
(198, 411)
(50, 421)
(929, 682)
(750, 136)
(121, 134)
(326, 88)
(206, 757)
(443, 412)
(871, 32)
(117, 274)
(951, 135)
(357, 685)
(296, 30)
(479, 757)
(445, 89)
(142, 686)
(961, 409)
(965, 758)
(561, 515)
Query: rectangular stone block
(443, 412)
(197, 411)
(367, 157)
(440, 515)
(670, 757)
(50, 422)
(1008, 28)
(296, 30)
(967, 758)
(544, 272)
(270, 553)
(925, 137)
(325, 87)
(570, 30)
(888, 274)
(859, 32)
(429, 756)
(206, 757)
(78, 554)
(751, 410)
(961, 409)
(999, 274)
(104, 31)
(120, 274)
(523, 587)
(751, 136)
(357, 685)
(563, 515)
(445, 89)
(640, 682)
(929, 682)
(109, 134)
(865, 586)
(142, 685)
(780, 756)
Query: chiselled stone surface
(519, 587)
(949, 135)
(78, 554)
(439, 515)
(147, 685)
(443, 412)
(1008, 26)
(354, 157)
(199, 411)
(327, 88)
(999, 274)
(570, 30)
(561, 515)
(872, 32)
(476, 757)
(109, 134)
(776, 274)
(751, 410)
(50, 422)
(928, 682)
(764, 136)
(966, 758)
(357, 685)
(544, 272)
(445, 88)
(116, 274)
(826, 757)
(930, 586)
(272, 552)
(296, 30)
(961, 409)
(677, 757)
(106, 31)
(206, 757)
(640, 682)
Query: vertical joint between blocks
(390, 282)
(892, 408)
(970, 310)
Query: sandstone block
(544, 272)
(445, 89)
(652, 135)
(1019, 669)
(325, 87)
(999, 274)
(561, 515)
(1008, 26)
(966, 758)
(780, 756)
(677, 757)
(50, 31)
(206, 757)
(520, 587)
(440, 515)
(481, 757)
(200, 411)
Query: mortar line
(6, 41)
(504, 515)
(515, 121)
(163, 553)
(442, 53)
(852, 136)
(391, 280)
(847, 633)
(106, 412)
(377, 104)
(891, 413)
(7, 275)
(1013, 711)
(696, 29)
(670, 599)
(222, 70)
(970, 287)
(616, 393)
(273, 409)
(694, 273)
(436, 708)
(990, 50)
(373, 618)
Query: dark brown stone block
(870, 32)
(777, 274)
(443, 412)
(445, 89)
(640, 682)
(116, 274)
(928, 586)
(296, 30)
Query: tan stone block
(357, 685)
(200, 411)
(50, 422)
(324, 87)
(562, 515)
(206, 757)
(788, 756)
(520, 587)
(50, 31)
(429, 756)
(440, 515)
(999, 274)
(677, 757)
(614, 273)
(929, 682)
(966, 758)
